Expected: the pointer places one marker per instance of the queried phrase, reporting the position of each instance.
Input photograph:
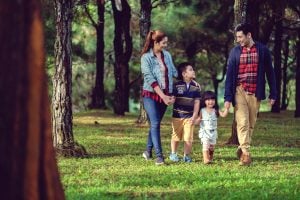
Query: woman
(158, 71)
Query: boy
(185, 111)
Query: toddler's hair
(206, 96)
(181, 68)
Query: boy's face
(189, 73)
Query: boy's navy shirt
(185, 98)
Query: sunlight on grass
(116, 170)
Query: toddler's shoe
(174, 157)
(187, 159)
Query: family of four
(248, 64)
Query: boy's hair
(245, 28)
(181, 68)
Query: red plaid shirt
(248, 69)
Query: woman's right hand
(168, 100)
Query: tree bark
(123, 51)
(253, 16)
(98, 95)
(63, 139)
(240, 16)
(28, 167)
(279, 9)
(240, 11)
(145, 24)
(297, 96)
(284, 102)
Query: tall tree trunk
(28, 167)
(284, 103)
(240, 16)
(297, 96)
(253, 16)
(145, 24)
(279, 8)
(240, 11)
(98, 95)
(63, 139)
(123, 51)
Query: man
(248, 64)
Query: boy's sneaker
(160, 161)
(147, 155)
(174, 157)
(187, 159)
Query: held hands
(271, 102)
(224, 113)
(168, 100)
(227, 105)
(197, 120)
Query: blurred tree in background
(199, 31)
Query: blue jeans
(155, 112)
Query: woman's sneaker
(160, 161)
(147, 155)
(187, 159)
(174, 157)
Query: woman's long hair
(153, 36)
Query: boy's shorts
(182, 130)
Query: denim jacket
(151, 70)
(265, 69)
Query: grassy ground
(115, 168)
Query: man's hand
(271, 102)
(227, 104)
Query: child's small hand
(197, 121)
(224, 113)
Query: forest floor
(115, 168)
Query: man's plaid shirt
(248, 69)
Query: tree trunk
(123, 51)
(98, 96)
(279, 8)
(28, 167)
(253, 16)
(284, 103)
(145, 24)
(240, 16)
(240, 11)
(297, 96)
(63, 139)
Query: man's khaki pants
(246, 110)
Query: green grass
(116, 170)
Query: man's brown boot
(245, 159)
(211, 155)
(206, 159)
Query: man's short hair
(244, 27)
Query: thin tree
(240, 16)
(297, 96)
(145, 24)
(98, 97)
(284, 98)
(123, 51)
(63, 139)
(279, 10)
(28, 167)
